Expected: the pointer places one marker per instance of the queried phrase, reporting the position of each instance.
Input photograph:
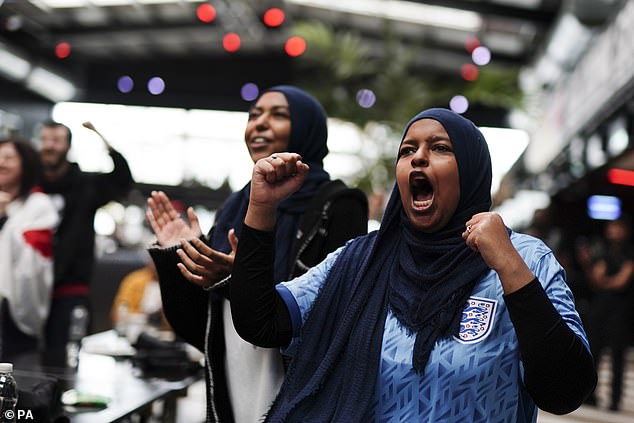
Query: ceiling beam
(541, 16)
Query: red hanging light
(231, 42)
(274, 17)
(295, 46)
(469, 72)
(471, 43)
(62, 50)
(206, 12)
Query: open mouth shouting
(422, 191)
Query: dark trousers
(13, 340)
(58, 324)
(608, 327)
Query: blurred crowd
(600, 273)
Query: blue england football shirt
(474, 377)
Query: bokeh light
(459, 104)
(14, 22)
(366, 98)
(469, 72)
(231, 42)
(62, 50)
(206, 12)
(621, 177)
(249, 91)
(295, 46)
(471, 43)
(604, 207)
(274, 17)
(125, 84)
(104, 224)
(156, 85)
(481, 56)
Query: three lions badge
(477, 320)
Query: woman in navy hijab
(442, 315)
(242, 380)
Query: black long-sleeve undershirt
(263, 318)
(558, 368)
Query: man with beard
(77, 196)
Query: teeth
(425, 203)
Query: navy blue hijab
(309, 133)
(424, 279)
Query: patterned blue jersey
(474, 377)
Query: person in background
(442, 315)
(576, 256)
(242, 380)
(139, 294)
(77, 196)
(610, 314)
(542, 227)
(27, 221)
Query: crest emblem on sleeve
(477, 320)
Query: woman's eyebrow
(433, 138)
(274, 107)
(409, 141)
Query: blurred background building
(168, 82)
(372, 63)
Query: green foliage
(495, 87)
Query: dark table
(105, 369)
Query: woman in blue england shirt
(442, 315)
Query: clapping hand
(203, 265)
(168, 226)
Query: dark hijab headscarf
(423, 278)
(309, 133)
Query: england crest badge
(477, 320)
